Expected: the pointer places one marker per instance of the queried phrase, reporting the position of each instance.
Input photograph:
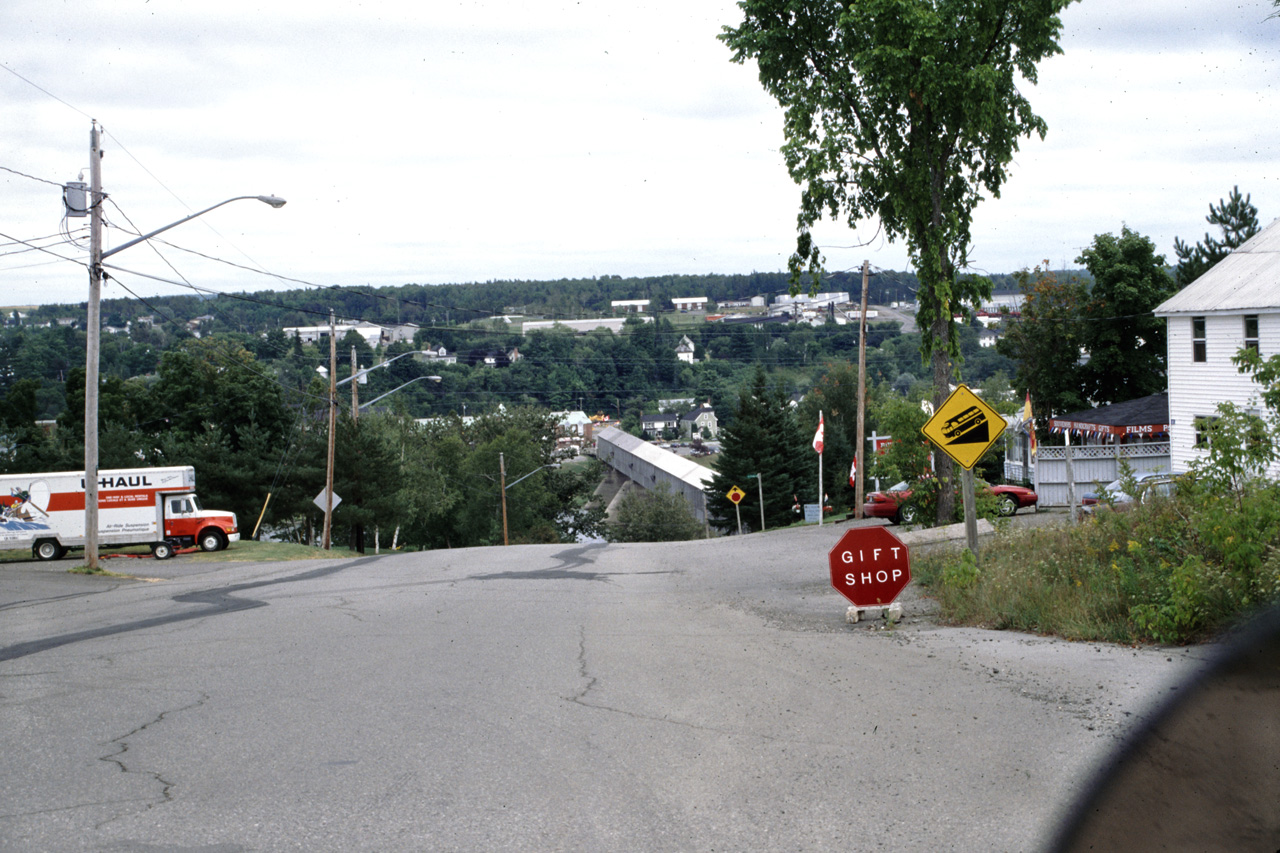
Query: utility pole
(862, 391)
(502, 483)
(355, 384)
(333, 420)
(92, 346)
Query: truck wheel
(162, 550)
(212, 540)
(48, 549)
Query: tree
(1044, 341)
(906, 111)
(762, 438)
(654, 515)
(1125, 342)
(1238, 220)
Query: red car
(893, 503)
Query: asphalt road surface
(704, 696)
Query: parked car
(1151, 484)
(894, 502)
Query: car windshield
(899, 487)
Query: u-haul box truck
(152, 506)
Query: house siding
(1195, 388)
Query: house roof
(1248, 279)
(694, 414)
(1143, 416)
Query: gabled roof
(1246, 280)
(694, 414)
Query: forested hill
(450, 304)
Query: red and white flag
(817, 436)
(853, 474)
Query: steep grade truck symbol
(968, 427)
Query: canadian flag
(853, 474)
(817, 436)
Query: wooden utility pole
(93, 334)
(859, 454)
(333, 422)
(502, 484)
(355, 395)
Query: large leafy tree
(1125, 341)
(906, 111)
(1236, 218)
(1044, 341)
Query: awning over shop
(1140, 418)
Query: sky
(453, 142)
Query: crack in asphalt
(217, 601)
(122, 744)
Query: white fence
(1091, 465)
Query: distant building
(630, 306)
(701, 421)
(690, 303)
(685, 350)
(653, 426)
(613, 324)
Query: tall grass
(1174, 570)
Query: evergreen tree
(1238, 220)
(763, 438)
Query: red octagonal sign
(869, 566)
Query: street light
(367, 370)
(394, 390)
(93, 333)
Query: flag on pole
(817, 436)
(1026, 416)
(853, 474)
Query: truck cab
(186, 524)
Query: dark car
(894, 502)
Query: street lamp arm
(366, 371)
(530, 474)
(394, 390)
(274, 201)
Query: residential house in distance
(700, 422)
(1234, 305)
(653, 426)
(436, 355)
(685, 350)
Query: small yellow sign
(965, 426)
(735, 494)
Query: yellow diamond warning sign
(735, 494)
(964, 426)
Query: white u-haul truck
(150, 506)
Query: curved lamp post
(93, 333)
(394, 390)
(502, 472)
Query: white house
(685, 350)
(1236, 304)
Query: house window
(1197, 339)
(1251, 332)
(1204, 428)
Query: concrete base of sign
(891, 614)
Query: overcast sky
(453, 141)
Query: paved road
(699, 696)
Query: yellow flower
(1134, 546)
(1114, 546)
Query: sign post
(870, 567)
(965, 427)
(736, 495)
